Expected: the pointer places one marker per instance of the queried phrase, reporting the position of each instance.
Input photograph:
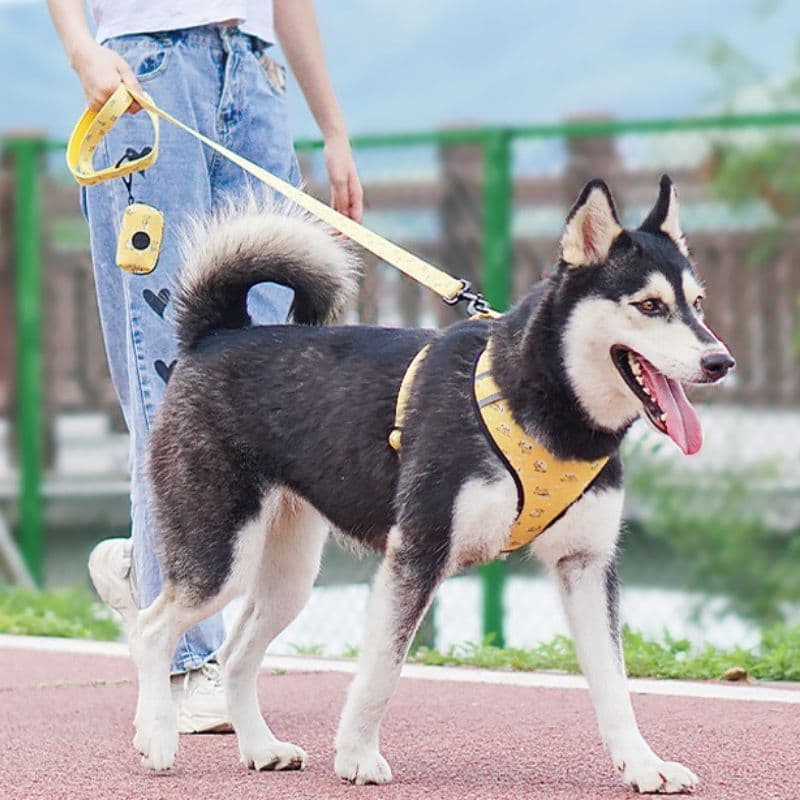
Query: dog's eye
(652, 307)
(698, 305)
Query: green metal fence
(26, 154)
(496, 143)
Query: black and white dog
(268, 437)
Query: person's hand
(347, 196)
(100, 72)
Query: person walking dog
(208, 63)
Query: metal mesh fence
(712, 547)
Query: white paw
(143, 725)
(141, 740)
(654, 776)
(361, 767)
(274, 756)
(159, 748)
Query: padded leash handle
(92, 128)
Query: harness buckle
(476, 302)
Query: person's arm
(99, 69)
(298, 34)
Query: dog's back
(306, 408)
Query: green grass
(307, 649)
(777, 658)
(72, 613)
(76, 614)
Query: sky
(423, 64)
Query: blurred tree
(762, 168)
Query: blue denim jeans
(221, 82)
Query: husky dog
(268, 437)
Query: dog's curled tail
(228, 253)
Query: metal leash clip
(477, 304)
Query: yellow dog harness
(546, 485)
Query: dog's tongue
(683, 424)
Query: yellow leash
(94, 125)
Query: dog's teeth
(663, 417)
(646, 390)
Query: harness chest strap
(546, 485)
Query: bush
(70, 613)
(714, 530)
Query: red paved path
(65, 736)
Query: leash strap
(93, 126)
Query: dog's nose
(716, 365)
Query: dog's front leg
(401, 592)
(589, 589)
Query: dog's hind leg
(279, 589)
(580, 551)
(159, 628)
(181, 604)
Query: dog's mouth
(664, 399)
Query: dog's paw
(141, 740)
(274, 756)
(655, 776)
(158, 748)
(362, 767)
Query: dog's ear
(592, 226)
(664, 216)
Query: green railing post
(497, 258)
(26, 152)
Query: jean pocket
(275, 73)
(151, 65)
(147, 57)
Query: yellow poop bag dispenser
(140, 238)
(142, 227)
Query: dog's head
(634, 329)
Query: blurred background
(474, 125)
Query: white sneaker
(200, 700)
(110, 570)
(198, 694)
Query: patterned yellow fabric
(396, 436)
(547, 485)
